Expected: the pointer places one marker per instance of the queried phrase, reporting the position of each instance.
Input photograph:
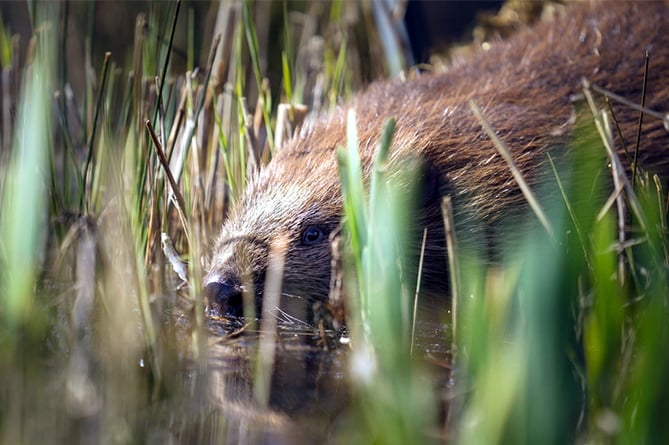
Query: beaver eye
(312, 235)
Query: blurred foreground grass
(104, 337)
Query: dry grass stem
(641, 114)
(268, 324)
(508, 157)
(416, 293)
(289, 118)
(453, 265)
(181, 204)
(616, 165)
(664, 117)
(173, 258)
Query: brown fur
(525, 87)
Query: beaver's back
(527, 89)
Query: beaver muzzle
(224, 295)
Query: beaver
(528, 88)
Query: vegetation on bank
(112, 190)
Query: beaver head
(296, 198)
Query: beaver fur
(526, 87)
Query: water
(309, 399)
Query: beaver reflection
(308, 388)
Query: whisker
(289, 318)
(295, 296)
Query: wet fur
(524, 86)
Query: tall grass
(553, 352)
(103, 245)
(25, 188)
(391, 391)
(101, 339)
(563, 340)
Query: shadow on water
(310, 397)
(308, 389)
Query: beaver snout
(224, 295)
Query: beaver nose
(225, 296)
